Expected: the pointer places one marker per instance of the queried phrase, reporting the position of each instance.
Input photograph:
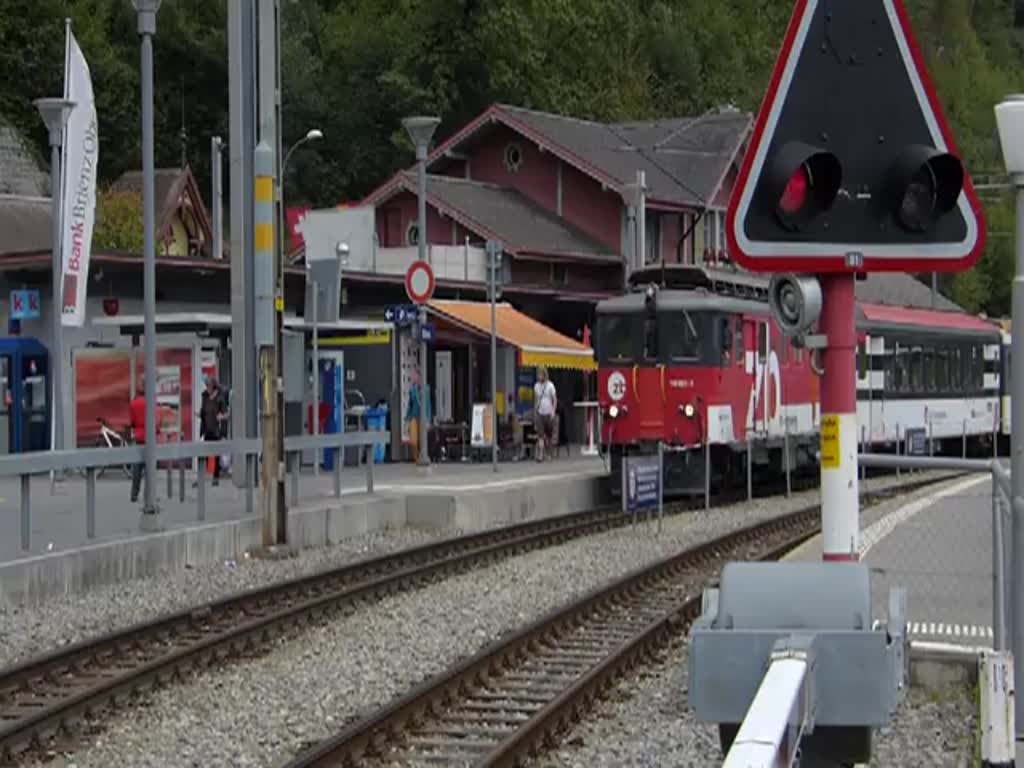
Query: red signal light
(794, 196)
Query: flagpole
(56, 347)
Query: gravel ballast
(645, 721)
(262, 711)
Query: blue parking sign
(641, 483)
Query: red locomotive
(690, 357)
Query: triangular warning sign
(850, 85)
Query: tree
(118, 222)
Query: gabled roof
(899, 289)
(500, 213)
(173, 188)
(685, 160)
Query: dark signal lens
(794, 196)
(927, 184)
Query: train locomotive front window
(615, 339)
(682, 335)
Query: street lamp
(420, 130)
(147, 10)
(1010, 120)
(313, 134)
(55, 113)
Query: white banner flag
(81, 158)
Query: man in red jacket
(137, 420)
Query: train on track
(690, 357)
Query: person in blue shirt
(412, 415)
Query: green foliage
(354, 68)
(119, 222)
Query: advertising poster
(102, 390)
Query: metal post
(26, 512)
(750, 470)
(1017, 454)
(266, 336)
(90, 503)
(251, 463)
(899, 449)
(641, 221)
(661, 483)
(785, 447)
(931, 439)
(493, 254)
(181, 481)
(840, 522)
(217, 195)
(935, 288)
(147, 10)
(316, 375)
(339, 455)
(294, 461)
(241, 143)
(420, 130)
(55, 113)
(963, 440)
(170, 480)
(707, 471)
(999, 639)
(201, 488)
(369, 467)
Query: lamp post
(55, 113)
(1010, 119)
(313, 134)
(420, 130)
(147, 10)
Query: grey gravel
(30, 630)
(262, 711)
(645, 721)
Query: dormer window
(412, 234)
(513, 157)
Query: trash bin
(377, 419)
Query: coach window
(737, 341)
(862, 361)
(942, 370)
(929, 369)
(916, 370)
(954, 369)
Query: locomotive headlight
(613, 411)
(689, 410)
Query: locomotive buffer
(851, 169)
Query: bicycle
(111, 438)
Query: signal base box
(860, 667)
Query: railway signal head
(851, 165)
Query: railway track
(517, 694)
(42, 698)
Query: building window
(652, 238)
(412, 234)
(513, 157)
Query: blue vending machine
(24, 396)
(332, 393)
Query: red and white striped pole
(840, 514)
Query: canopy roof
(537, 344)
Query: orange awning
(537, 344)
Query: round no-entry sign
(419, 282)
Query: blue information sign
(427, 332)
(401, 314)
(916, 441)
(24, 305)
(641, 481)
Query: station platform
(938, 546)
(448, 496)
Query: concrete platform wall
(316, 524)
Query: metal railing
(175, 457)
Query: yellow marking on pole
(264, 189)
(830, 457)
(263, 237)
(279, 304)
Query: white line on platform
(873, 534)
(504, 483)
(941, 629)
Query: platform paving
(940, 548)
(59, 518)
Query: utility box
(325, 276)
(860, 668)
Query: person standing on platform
(212, 418)
(545, 402)
(412, 415)
(137, 422)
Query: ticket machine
(24, 396)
